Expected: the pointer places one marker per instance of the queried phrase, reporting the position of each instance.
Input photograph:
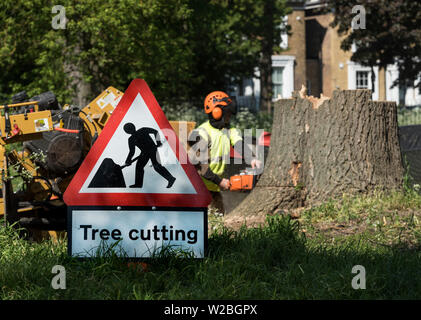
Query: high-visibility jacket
(219, 146)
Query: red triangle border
(72, 197)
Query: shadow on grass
(274, 261)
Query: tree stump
(323, 148)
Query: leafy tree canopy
(392, 34)
(182, 48)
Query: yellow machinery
(43, 145)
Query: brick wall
(296, 46)
(320, 63)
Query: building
(312, 57)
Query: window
(277, 81)
(361, 80)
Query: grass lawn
(408, 116)
(310, 257)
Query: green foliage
(185, 112)
(244, 119)
(409, 116)
(24, 26)
(258, 24)
(182, 48)
(392, 35)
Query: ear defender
(217, 113)
(214, 102)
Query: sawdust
(294, 172)
(316, 102)
(236, 222)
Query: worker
(211, 145)
(141, 138)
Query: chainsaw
(245, 180)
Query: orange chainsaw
(245, 181)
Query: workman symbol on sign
(110, 174)
(142, 139)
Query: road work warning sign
(136, 190)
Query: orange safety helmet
(214, 101)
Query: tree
(392, 34)
(182, 48)
(260, 24)
(221, 56)
(103, 43)
(22, 45)
(230, 39)
(117, 41)
(323, 148)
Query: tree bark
(266, 58)
(373, 80)
(266, 84)
(323, 148)
(82, 90)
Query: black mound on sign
(109, 175)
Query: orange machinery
(244, 181)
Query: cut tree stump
(324, 147)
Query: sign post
(136, 191)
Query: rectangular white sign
(138, 233)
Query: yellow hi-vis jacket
(219, 146)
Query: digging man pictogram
(141, 138)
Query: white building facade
(316, 48)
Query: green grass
(307, 258)
(409, 116)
